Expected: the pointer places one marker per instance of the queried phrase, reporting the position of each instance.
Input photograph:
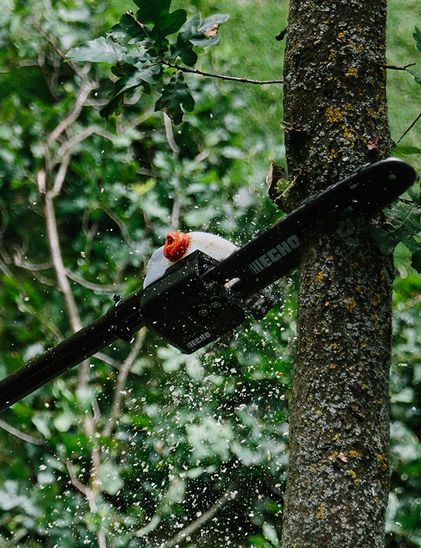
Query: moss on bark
(336, 121)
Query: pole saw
(205, 291)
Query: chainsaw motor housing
(187, 311)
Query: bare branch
(63, 282)
(67, 147)
(5, 269)
(42, 181)
(169, 133)
(60, 176)
(409, 129)
(403, 67)
(107, 359)
(81, 487)
(52, 40)
(19, 434)
(32, 267)
(89, 494)
(73, 115)
(121, 226)
(114, 288)
(195, 525)
(57, 260)
(115, 412)
(45, 322)
(223, 76)
(65, 152)
(202, 156)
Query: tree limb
(403, 67)
(222, 76)
(73, 115)
(408, 129)
(19, 434)
(113, 288)
(169, 133)
(115, 412)
(195, 525)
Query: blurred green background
(157, 442)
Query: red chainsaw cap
(176, 245)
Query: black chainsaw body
(186, 310)
(200, 299)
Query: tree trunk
(336, 121)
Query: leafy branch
(223, 76)
(144, 57)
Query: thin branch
(19, 434)
(57, 260)
(61, 275)
(89, 494)
(223, 76)
(32, 267)
(195, 525)
(115, 412)
(202, 156)
(81, 487)
(60, 176)
(65, 153)
(45, 322)
(5, 269)
(66, 147)
(57, 48)
(21, 64)
(169, 133)
(409, 129)
(114, 288)
(73, 115)
(111, 362)
(403, 67)
(4, 220)
(121, 226)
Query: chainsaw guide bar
(199, 299)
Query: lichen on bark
(336, 121)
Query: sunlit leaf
(99, 50)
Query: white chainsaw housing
(216, 247)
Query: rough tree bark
(335, 121)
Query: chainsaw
(198, 287)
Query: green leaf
(170, 23)
(99, 50)
(175, 98)
(402, 150)
(416, 75)
(183, 47)
(135, 76)
(417, 38)
(130, 26)
(150, 11)
(208, 32)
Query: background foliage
(154, 442)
